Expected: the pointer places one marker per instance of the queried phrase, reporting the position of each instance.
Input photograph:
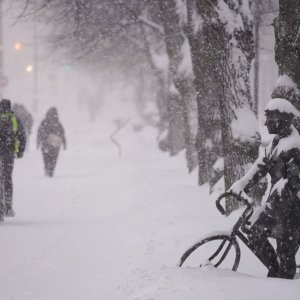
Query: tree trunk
(287, 52)
(221, 59)
(182, 79)
(206, 98)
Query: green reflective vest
(15, 127)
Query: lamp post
(35, 68)
(1, 49)
(256, 57)
(18, 46)
(3, 79)
(32, 68)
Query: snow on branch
(286, 88)
(151, 24)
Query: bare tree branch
(112, 136)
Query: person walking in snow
(51, 137)
(280, 218)
(12, 144)
(25, 118)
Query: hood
(5, 105)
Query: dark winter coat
(282, 163)
(50, 132)
(12, 144)
(24, 116)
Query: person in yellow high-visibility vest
(12, 144)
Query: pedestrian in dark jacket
(25, 118)
(51, 137)
(280, 218)
(12, 144)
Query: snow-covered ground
(114, 228)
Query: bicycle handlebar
(221, 209)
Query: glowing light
(67, 68)
(29, 68)
(18, 46)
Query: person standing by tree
(12, 144)
(51, 137)
(281, 216)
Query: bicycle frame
(240, 224)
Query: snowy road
(110, 228)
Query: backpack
(8, 129)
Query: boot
(273, 272)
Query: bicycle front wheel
(218, 251)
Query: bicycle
(222, 244)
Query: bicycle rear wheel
(215, 250)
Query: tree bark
(287, 50)
(221, 60)
(183, 81)
(206, 97)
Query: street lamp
(18, 46)
(1, 46)
(29, 68)
(36, 68)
